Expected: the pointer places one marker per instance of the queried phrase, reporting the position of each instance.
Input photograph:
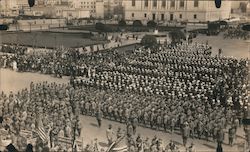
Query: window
(180, 15)
(145, 15)
(172, 4)
(163, 3)
(133, 2)
(154, 3)
(153, 16)
(162, 17)
(196, 3)
(133, 15)
(171, 17)
(195, 16)
(146, 3)
(182, 3)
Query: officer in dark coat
(219, 148)
(231, 135)
(220, 136)
(99, 116)
(185, 134)
(134, 124)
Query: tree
(246, 27)
(149, 41)
(137, 23)
(122, 23)
(99, 26)
(213, 28)
(176, 36)
(151, 24)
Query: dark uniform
(99, 116)
(185, 134)
(231, 134)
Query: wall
(100, 9)
(39, 24)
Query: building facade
(109, 9)
(9, 7)
(175, 10)
(100, 9)
(84, 5)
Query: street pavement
(15, 81)
(230, 47)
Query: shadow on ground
(93, 124)
(103, 144)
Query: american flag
(41, 132)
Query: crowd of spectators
(60, 62)
(236, 33)
(19, 50)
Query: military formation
(180, 89)
(39, 107)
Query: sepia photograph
(124, 75)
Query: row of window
(87, 2)
(163, 3)
(163, 16)
(87, 6)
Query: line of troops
(168, 107)
(219, 79)
(135, 143)
(203, 123)
(52, 91)
(22, 111)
